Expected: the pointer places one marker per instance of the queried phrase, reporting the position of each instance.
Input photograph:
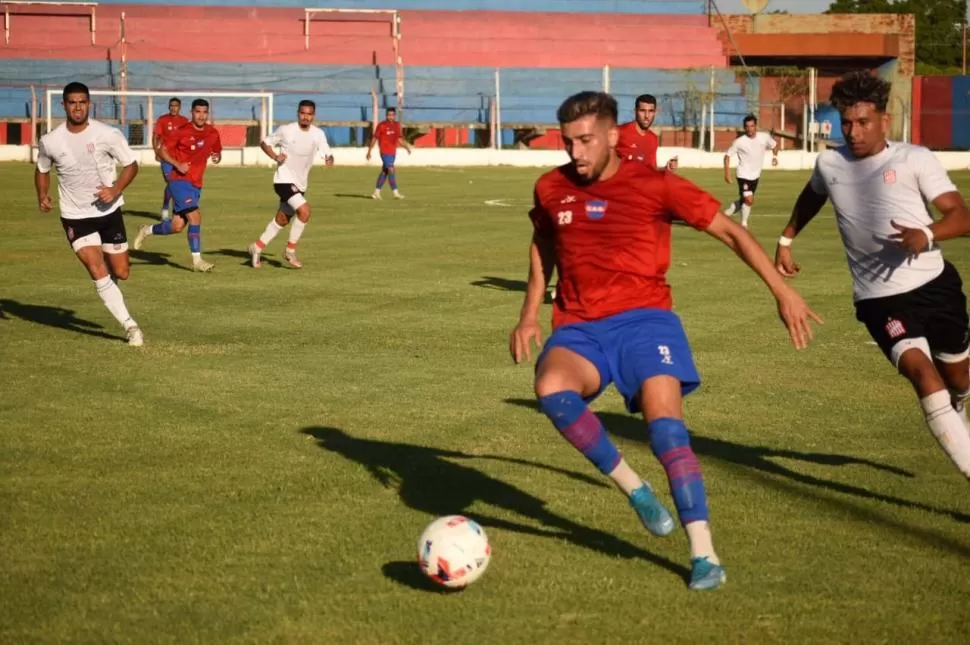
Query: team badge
(889, 177)
(91, 148)
(596, 209)
(895, 328)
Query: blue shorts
(629, 348)
(388, 160)
(166, 169)
(185, 196)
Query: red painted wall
(936, 112)
(466, 38)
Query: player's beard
(77, 121)
(597, 170)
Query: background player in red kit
(388, 134)
(637, 141)
(605, 225)
(188, 149)
(166, 124)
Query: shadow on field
(428, 481)
(351, 196)
(759, 459)
(505, 284)
(246, 258)
(154, 258)
(407, 573)
(58, 317)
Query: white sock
(625, 478)
(296, 230)
(272, 230)
(959, 402)
(745, 214)
(114, 301)
(701, 544)
(196, 257)
(948, 428)
(732, 209)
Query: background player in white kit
(85, 152)
(299, 142)
(750, 150)
(909, 298)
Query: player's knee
(121, 272)
(303, 212)
(178, 223)
(282, 219)
(914, 362)
(667, 434)
(749, 200)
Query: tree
(939, 25)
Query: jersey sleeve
(541, 220)
(44, 162)
(119, 149)
(217, 143)
(275, 138)
(158, 131)
(733, 150)
(817, 182)
(770, 142)
(688, 202)
(931, 177)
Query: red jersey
(388, 133)
(635, 145)
(612, 237)
(194, 146)
(166, 123)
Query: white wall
(688, 157)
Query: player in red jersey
(166, 124)
(389, 135)
(637, 141)
(188, 149)
(604, 224)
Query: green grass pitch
(260, 471)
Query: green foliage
(938, 25)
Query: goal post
(137, 111)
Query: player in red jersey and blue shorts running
(605, 225)
(389, 135)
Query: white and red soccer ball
(454, 551)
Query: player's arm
(324, 148)
(42, 179)
(773, 146)
(374, 136)
(216, 155)
(701, 210)
(727, 163)
(807, 206)
(269, 144)
(936, 188)
(165, 149)
(542, 261)
(122, 153)
(404, 143)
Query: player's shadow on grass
(247, 258)
(505, 284)
(351, 196)
(760, 458)
(58, 317)
(429, 480)
(154, 258)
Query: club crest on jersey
(91, 148)
(895, 328)
(596, 209)
(889, 177)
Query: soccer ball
(454, 551)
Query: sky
(794, 6)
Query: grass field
(260, 471)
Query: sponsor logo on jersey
(596, 209)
